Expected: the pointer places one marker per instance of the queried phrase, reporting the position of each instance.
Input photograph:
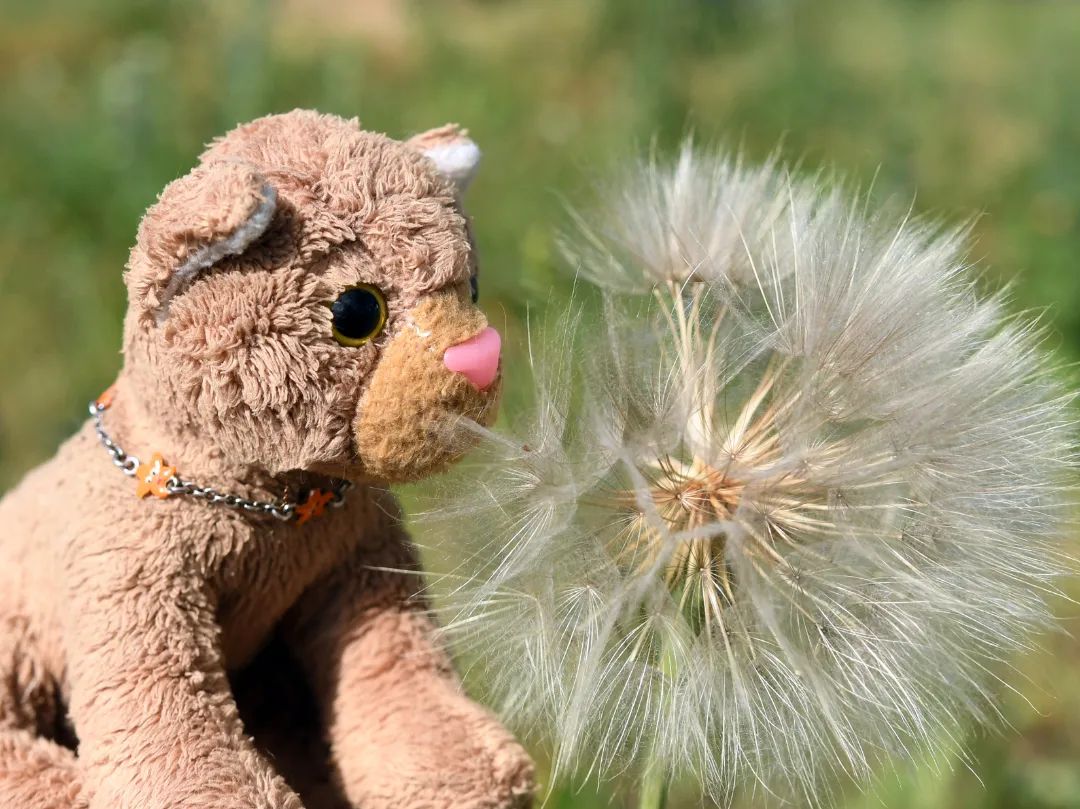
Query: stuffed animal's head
(305, 298)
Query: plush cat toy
(302, 330)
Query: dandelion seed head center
(694, 500)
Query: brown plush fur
(122, 620)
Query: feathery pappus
(781, 510)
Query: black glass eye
(359, 315)
(474, 288)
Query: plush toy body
(301, 313)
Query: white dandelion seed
(783, 513)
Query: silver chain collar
(175, 485)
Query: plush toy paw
(498, 775)
(432, 748)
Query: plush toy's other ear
(453, 153)
(215, 211)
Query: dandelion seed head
(783, 513)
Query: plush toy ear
(216, 211)
(453, 153)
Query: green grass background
(969, 108)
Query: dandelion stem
(656, 778)
(654, 788)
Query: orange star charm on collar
(153, 477)
(314, 506)
(105, 400)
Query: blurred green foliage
(974, 105)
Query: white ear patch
(456, 160)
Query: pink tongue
(477, 359)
